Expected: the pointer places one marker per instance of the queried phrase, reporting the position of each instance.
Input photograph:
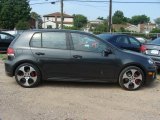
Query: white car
(142, 40)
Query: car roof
(53, 30)
(113, 34)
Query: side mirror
(106, 52)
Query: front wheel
(131, 78)
(27, 75)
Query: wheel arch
(133, 64)
(27, 61)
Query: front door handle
(77, 57)
(39, 53)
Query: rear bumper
(9, 69)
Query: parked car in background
(123, 41)
(153, 50)
(142, 40)
(66, 55)
(5, 40)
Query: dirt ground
(77, 101)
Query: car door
(51, 50)
(122, 42)
(88, 60)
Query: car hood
(152, 46)
(132, 53)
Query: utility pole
(110, 17)
(62, 14)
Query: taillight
(143, 48)
(10, 52)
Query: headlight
(150, 61)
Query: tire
(27, 75)
(131, 78)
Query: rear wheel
(131, 78)
(27, 75)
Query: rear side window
(122, 39)
(36, 40)
(53, 40)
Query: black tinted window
(55, 40)
(36, 40)
(87, 43)
(105, 36)
(122, 39)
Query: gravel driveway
(77, 101)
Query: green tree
(118, 18)
(139, 19)
(157, 21)
(79, 21)
(22, 25)
(12, 11)
(100, 28)
(101, 18)
(38, 18)
(155, 30)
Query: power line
(53, 2)
(102, 1)
(87, 1)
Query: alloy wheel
(27, 75)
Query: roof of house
(58, 14)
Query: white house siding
(133, 28)
(48, 23)
(68, 19)
(51, 21)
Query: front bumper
(151, 76)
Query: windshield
(156, 41)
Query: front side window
(54, 40)
(83, 42)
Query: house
(53, 20)
(92, 24)
(32, 23)
(146, 27)
(140, 28)
(133, 28)
(118, 27)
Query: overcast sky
(94, 10)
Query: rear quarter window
(36, 40)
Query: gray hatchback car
(66, 55)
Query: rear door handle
(39, 53)
(77, 57)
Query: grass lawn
(3, 56)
